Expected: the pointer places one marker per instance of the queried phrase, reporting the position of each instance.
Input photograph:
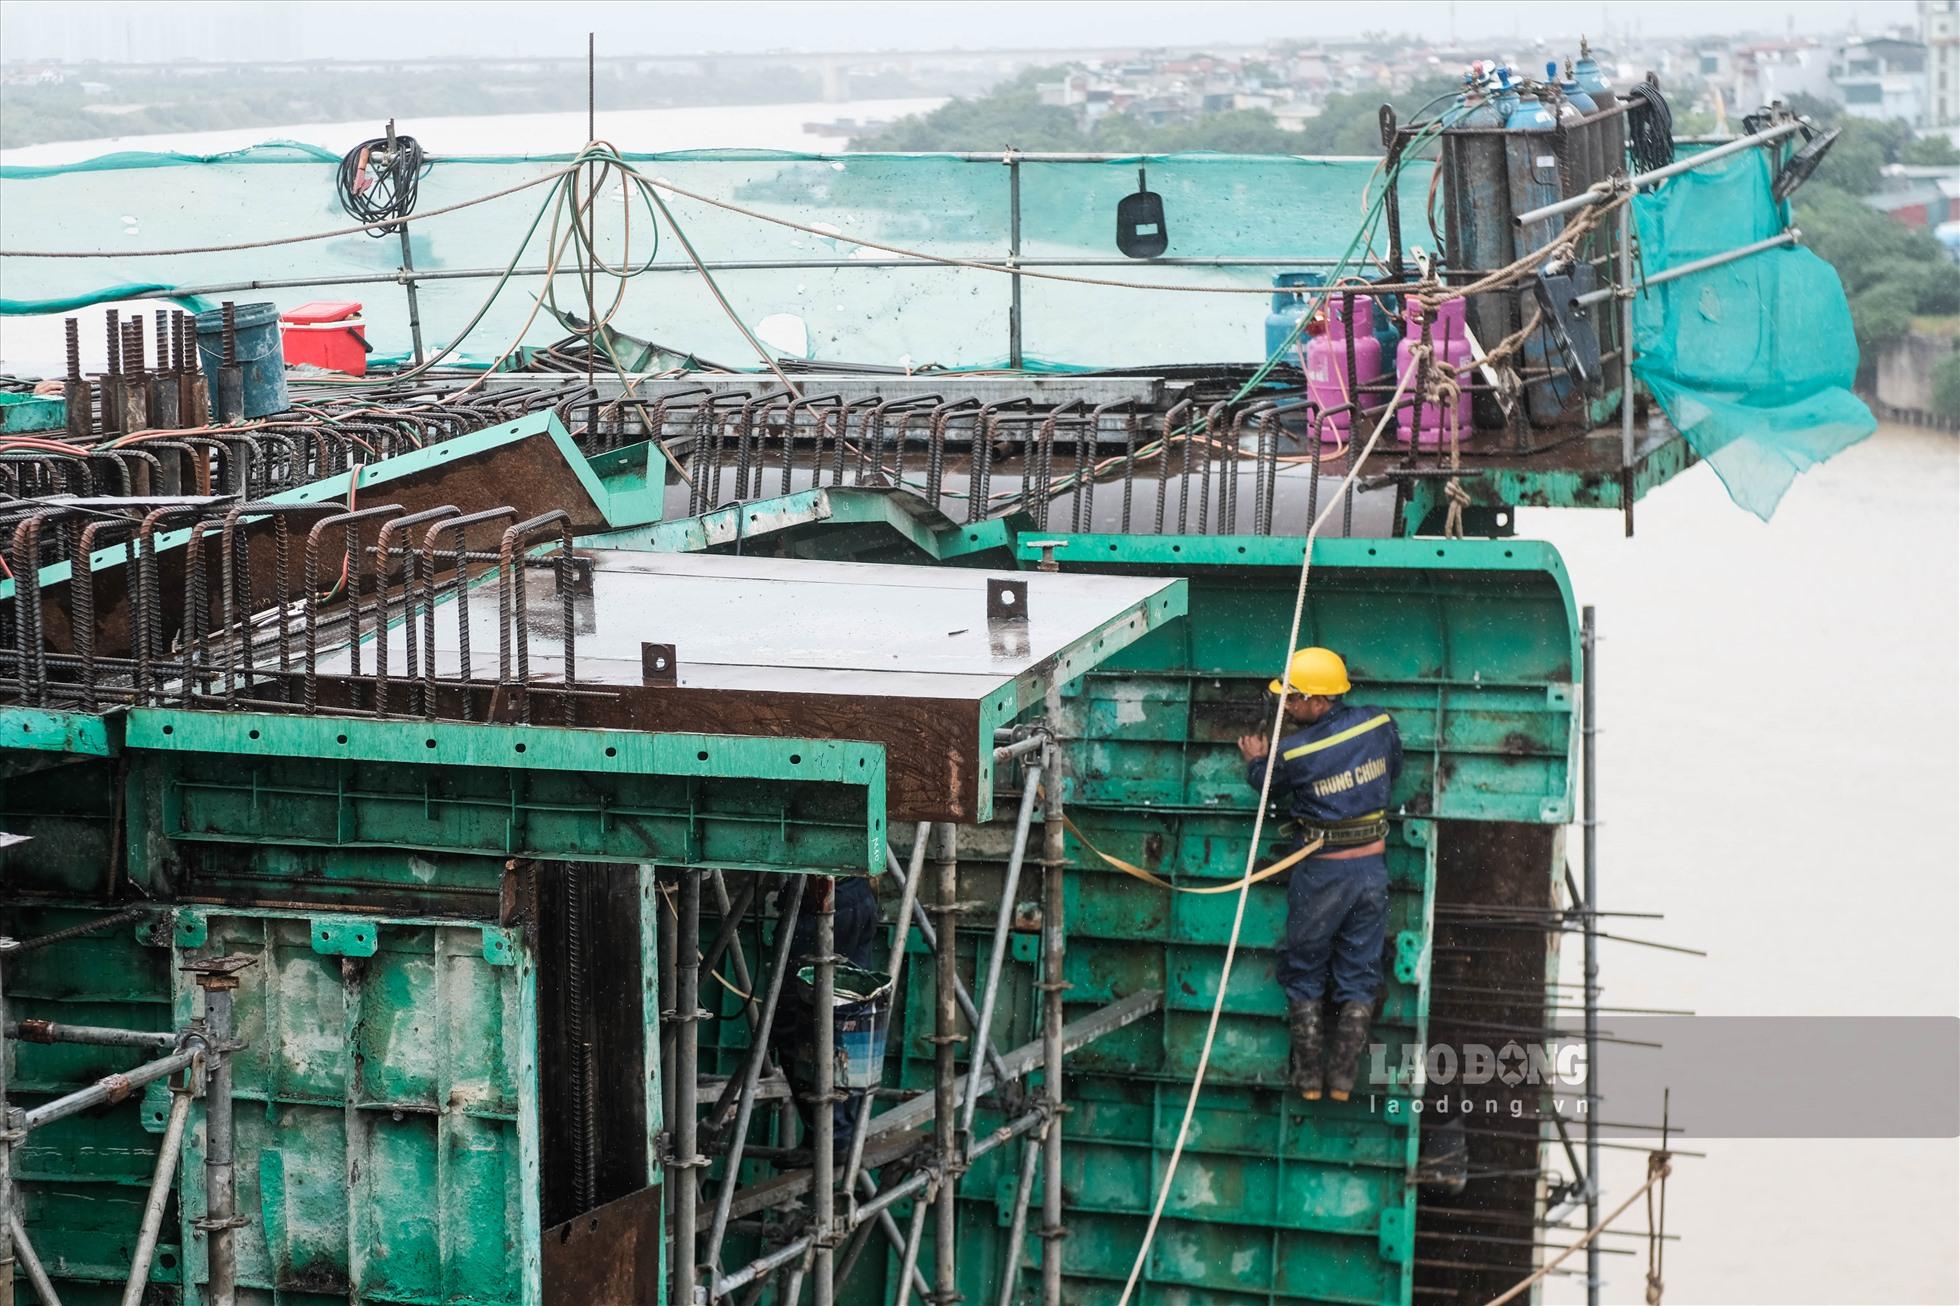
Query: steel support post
(752, 1071)
(218, 978)
(960, 995)
(945, 1100)
(11, 1132)
(687, 1066)
(1054, 985)
(1626, 366)
(160, 1185)
(823, 1107)
(1003, 917)
(408, 266)
(1014, 349)
(1589, 835)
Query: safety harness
(1341, 834)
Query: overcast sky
(207, 29)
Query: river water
(1761, 688)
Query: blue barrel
(1289, 305)
(262, 359)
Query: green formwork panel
(67, 812)
(271, 781)
(385, 1110)
(84, 1180)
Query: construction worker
(1337, 764)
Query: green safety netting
(1753, 360)
(1217, 206)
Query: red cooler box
(326, 334)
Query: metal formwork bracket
(156, 1105)
(659, 665)
(189, 929)
(499, 945)
(1397, 1233)
(344, 936)
(1025, 947)
(1558, 696)
(1007, 600)
(1409, 956)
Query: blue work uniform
(1339, 769)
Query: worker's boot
(1303, 1022)
(1350, 1040)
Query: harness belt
(1342, 834)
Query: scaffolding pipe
(37, 1274)
(946, 1289)
(823, 1106)
(687, 1066)
(220, 1220)
(11, 1132)
(110, 1088)
(912, 1185)
(960, 995)
(48, 1031)
(1017, 1228)
(1788, 236)
(1003, 917)
(1589, 834)
(908, 1269)
(1054, 985)
(894, 967)
(1606, 190)
(160, 1186)
(752, 1073)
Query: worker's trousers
(1336, 912)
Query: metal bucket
(861, 1016)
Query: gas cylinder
(1575, 94)
(1289, 303)
(1450, 344)
(1531, 114)
(1327, 363)
(1591, 80)
(1505, 97)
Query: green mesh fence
(1752, 360)
(1218, 206)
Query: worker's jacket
(1339, 769)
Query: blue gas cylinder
(1505, 97)
(1290, 295)
(1575, 94)
(1591, 80)
(1530, 115)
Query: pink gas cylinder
(1328, 388)
(1451, 345)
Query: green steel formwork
(386, 1109)
(84, 1179)
(388, 1127)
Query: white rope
(1252, 853)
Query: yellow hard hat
(1314, 671)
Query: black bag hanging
(1140, 230)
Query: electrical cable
(378, 183)
(1650, 128)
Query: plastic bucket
(861, 1016)
(261, 359)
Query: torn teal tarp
(1753, 360)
